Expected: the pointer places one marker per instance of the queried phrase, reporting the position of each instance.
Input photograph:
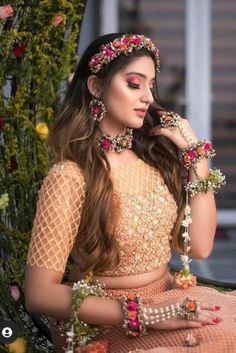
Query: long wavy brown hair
(74, 137)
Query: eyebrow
(139, 74)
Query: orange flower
(191, 306)
(132, 315)
(116, 43)
(123, 46)
(185, 282)
(97, 347)
(200, 150)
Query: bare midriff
(131, 281)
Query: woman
(115, 201)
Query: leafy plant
(38, 41)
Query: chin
(136, 124)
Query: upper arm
(57, 218)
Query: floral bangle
(213, 182)
(133, 312)
(78, 332)
(192, 154)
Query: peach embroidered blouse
(148, 212)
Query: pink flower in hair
(6, 11)
(95, 60)
(137, 40)
(124, 45)
(126, 40)
(108, 52)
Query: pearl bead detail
(153, 316)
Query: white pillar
(109, 16)
(198, 66)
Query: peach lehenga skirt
(219, 338)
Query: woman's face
(128, 96)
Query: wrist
(199, 170)
(214, 181)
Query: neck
(111, 128)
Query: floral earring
(97, 109)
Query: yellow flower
(42, 130)
(18, 346)
(4, 200)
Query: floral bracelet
(133, 312)
(213, 182)
(78, 332)
(192, 154)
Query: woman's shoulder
(65, 169)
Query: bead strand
(185, 134)
(153, 316)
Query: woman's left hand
(174, 134)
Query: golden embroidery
(147, 216)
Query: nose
(147, 96)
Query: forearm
(203, 208)
(55, 300)
(52, 299)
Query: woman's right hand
(208, 315)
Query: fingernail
(217, 320)
(217, 307)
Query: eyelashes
(133, 85)
(137, 86)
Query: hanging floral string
(190, 156)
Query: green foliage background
(29, 93)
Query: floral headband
(123, 45)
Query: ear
(94, 86)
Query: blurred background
(198, 80)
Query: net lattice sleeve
(57, 217)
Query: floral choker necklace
(118, 143)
